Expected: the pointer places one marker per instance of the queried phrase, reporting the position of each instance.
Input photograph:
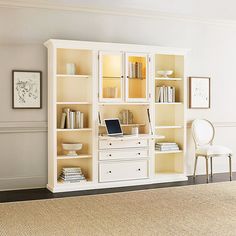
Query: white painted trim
(217, 124)
(115, 11)
(23, 126)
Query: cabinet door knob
(109, 171)
(139, 142)
(110, 143)
(139, 169)
(139, 153)
(109, 155)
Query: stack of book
(71, 119)
(135, 70)
(165, 94)
(72, 175)
(164, 147)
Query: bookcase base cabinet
(111, 80)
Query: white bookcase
(110, 78)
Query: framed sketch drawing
(199, 92)
(26, 89)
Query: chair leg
(207, 171)
(230, 167)
(195, 167)
(211, 167)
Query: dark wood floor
(43, 193)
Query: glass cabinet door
(111, 76)
(136, 77)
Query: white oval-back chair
(203, 134)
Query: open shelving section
(170, 116)
(91, 81)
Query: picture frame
(26, 89)
(199, 92)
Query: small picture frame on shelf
(26, 89)
(199, 92)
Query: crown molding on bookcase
(23, 126)
(115, 11)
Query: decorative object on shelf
(126, 117)
(71, 119)
(149, 121)
(199, 92)
(135, 70)
(165, 94)
(165, 73)
(111, 92)
(26, 89)
(166, 147)
(135, 130)
(71, 148)
(70, 68)
(72, 175)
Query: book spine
(81, 120)
(72, 119)
(63, 120)
(173, 94)
(77, 119)
(67, 111)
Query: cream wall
(23, 137)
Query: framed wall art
(26, 89)
(199, 92)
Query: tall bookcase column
(170, 99)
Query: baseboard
(22, 183)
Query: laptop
(113, 127)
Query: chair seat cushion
(211, 150)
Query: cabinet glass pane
(112, 76)
(137, 86)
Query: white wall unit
(110, 78)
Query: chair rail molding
(217, 124)
(23, 126)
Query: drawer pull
(109, 171)
(139, 142)
(109, 155)
(110, 144)
(139, 169)
(139, 153)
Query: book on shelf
(165, 94)
(135, 70)
(71, 119)
(72, 175)
(166, 147)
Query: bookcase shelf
(168, 103)
(167, 152)
(168, 79)
(73, 76)
(169, 127)
(80, 156)
(74, 130)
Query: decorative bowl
(165, 73)
(71, 148)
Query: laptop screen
(113, 127)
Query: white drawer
(126, 170)
(107, 144)
(123, 154)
